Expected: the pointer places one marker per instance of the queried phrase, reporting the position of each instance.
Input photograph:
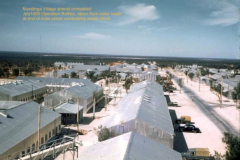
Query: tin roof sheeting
(92, 67)
(129, 146)
(68, 108)
(18, 88)
(145, 101)
(22, 123)
(230, 82)
(85, 91)
(59, 81)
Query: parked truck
(184, 120)
(196, 154)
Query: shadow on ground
(99, 106)
(167, 98)
(87, 120)
(179, 144)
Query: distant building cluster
(140, 72)
(141, 120)
(19, 114)
(224, 77)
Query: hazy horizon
(166, 28)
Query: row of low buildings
(140, 72)
(141, 121)
(77, 65)
(19, 114)
(218, 76)
(19, 128)
(22, 90)
(143, 127)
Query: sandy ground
(92, 128)
(228, 110)
(211, 136)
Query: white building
(19, 128)
(25, 90)
(129, 146)
(81, 91)
(144, 110)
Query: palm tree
(94, 101)
(128, 83)
(211, 84)
(236, 94)
(180, 83)
(191, 75)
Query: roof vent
(3, 113)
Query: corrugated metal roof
(18, 88)
(85, 91)
(215, 76)
(48, 80)
(129, 146)
(22, 123)
(230, 82)
(5, 105)
(145, 101)
(68, 108)
(92, 67)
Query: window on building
(23, 153)
(17, 157)
(37, 145)
(28, 150)
(46, 138)
(56, 130)
(53, 132)
(33, 147)
(42, 140)
(59, 127)
(50, 135)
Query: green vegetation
(232, 149)
(204, 72)
(65, 75)
(217, 90)
(90, 75)
(105, 134)
(74, 75)
(158, 79)
(191, 75)
(236, 94)
(128, 83)
(15, 72)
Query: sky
(175, 28)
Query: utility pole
(108, 89)
(199, 84)
(94, 105)
(78, 99)
(221, 93)
(199, 79)
(105, 102)
(32, 91)
(39, 123)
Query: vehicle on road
(196, 154)
(173, 104)
(184, 120)
(188, 128)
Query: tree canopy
(105, 134)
